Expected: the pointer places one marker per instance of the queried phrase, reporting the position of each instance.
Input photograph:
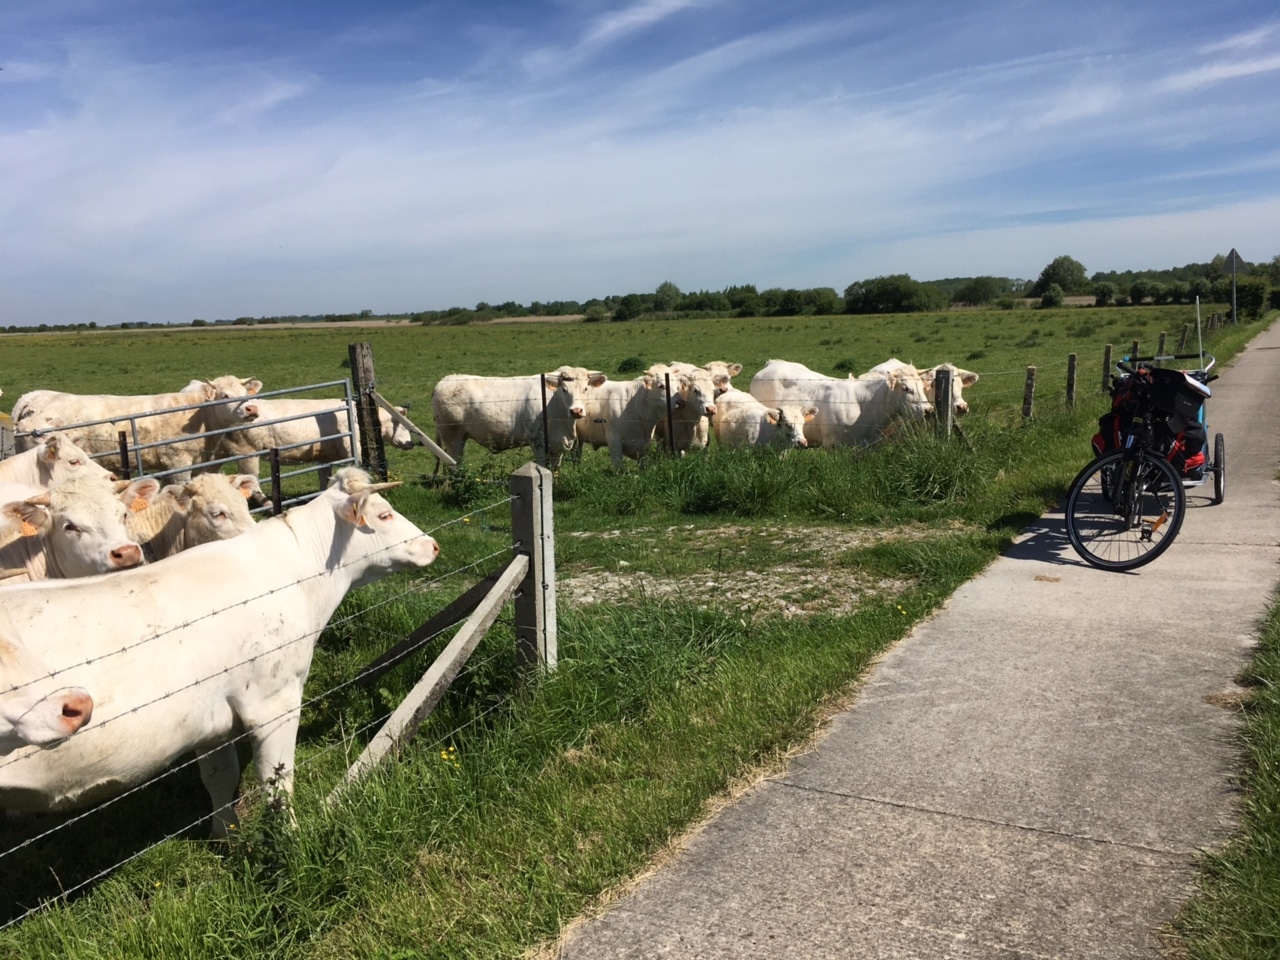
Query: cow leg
(274, 743)
(220, 771)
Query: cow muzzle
(77, 710)
(129, 555)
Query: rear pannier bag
(1177, 399)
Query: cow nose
(962, 407)
(77, 709)
(251, 411)
(577, 411)
(709, 409)
(130, 555)
(435, 548)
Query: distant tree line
(1257, 288)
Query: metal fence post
(533, 534)
(1071, 379)
(126, 473)
(373, 452)
(943, 408)
(277, 495)
(1029, 394)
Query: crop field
(713, 610)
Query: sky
(165, 160)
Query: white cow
(50, 462)
(43, 410)
(313, 438)
(189, 653)
(694, 394)
(785, 381)
(504, 412)
(743, 421)
(859, 412)
(36, 707)
(959, 380)
(623, 415)
(77, 529)
(722, 373)
(209, 506)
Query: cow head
(789, 419)
(722, 374)
(393, 431)
(698, 394)
(235, 410)
(381, 541)
(571, 386)
(908, 385)
(59, 459)
(959, 380)
(215, 506)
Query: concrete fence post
(533, 534)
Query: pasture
(713, 610)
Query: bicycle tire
(1152, 506)
(1219, 469)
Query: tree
(629, 307)
(1140, 289)
(822, 300)
(1200, 288)
(896, 293)
(1103, 293)
(1251, 296)
(978, 291)
(1053, 297)
(1272, 271)
(667, 297)
(1067, 273)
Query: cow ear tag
(139, 504)
(26, 529)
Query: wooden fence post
(1182, 340)
(7, 440)
(943, 408)
(533, 533)
(1106, 369)
(1160, 349)
(1133, 353)
(277, 495)
(1029, 394)
(1071, 379)
(122, 438)
(373, 452)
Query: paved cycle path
(1032, 773)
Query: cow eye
(76, 463)
(70, 527)
(386, 516)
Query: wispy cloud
(1216, 73)
(1242, 41)
(606, 31)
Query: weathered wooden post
(546, 429)
(1106, 368)
(1133, 353)
(1029, 394)
(533, 533)
(373, 452)
(943, 408)
(1071, 379)
(671, 431)
(1160, 349)
(1182, 340)
(7, 439)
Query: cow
(504, 412)
(859, 412)
(623, 415)
(693, 401)
(209, 506)
(51, 461)
(179, 659)
(785, 381)
(43, 410)
(36, 707)
(959, 380)
(743, 421)
(77, 529)
(316, 436)
(722, 373)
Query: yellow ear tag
(138, 504)
(27, 530)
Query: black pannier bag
(1177, 399)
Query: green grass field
(518, 807)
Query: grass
(520, 806)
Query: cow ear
(553, 380)
(967, 377)
(252, 385)
(809, 414)
(772, 417)
(596, 379)
(30, 518)
(734, 369)
(139, 493)
(209, 391)
(247, 484)
(51, 445)
(179, 494)
(928, 376)
(351, 509)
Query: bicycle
(1126, 507)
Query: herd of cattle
(98, 618)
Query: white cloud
(1215, 73)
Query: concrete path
(1032, 773)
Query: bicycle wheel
(1122, 513)
(1219, 469)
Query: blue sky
(164, 160)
